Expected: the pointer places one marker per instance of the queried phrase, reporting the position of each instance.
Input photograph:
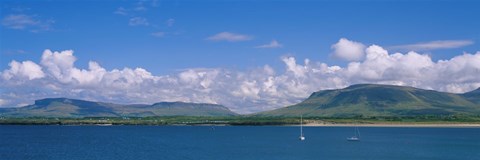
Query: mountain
(473, 96)
(357, 100)
(381, 100)
(64, 107)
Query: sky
(247, 55)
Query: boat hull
(353, 139)
(301, 138)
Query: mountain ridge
(381, 100)
(366, 100)
(66, 107)
(473, 96)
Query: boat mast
(301, 126)
(357, 132)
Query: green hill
(365, 100)
(381, 100)
(473, 96)
(64, 107)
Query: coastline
(407, 125)
(450, 125)
(244, 121)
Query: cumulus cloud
(433, 45)
(26, 22)
(228, 36)
(138, 21)
(21, 70)
(273, 44)
(254, 90)
(348, 50)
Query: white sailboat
(356, 136)
(302, 138)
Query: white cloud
(297, 70)
(20, 9)
(59, 64)
(20, 21)
(170, 22)
(138, 21)
(136, 12)
(273, 44)
(228, 36)
(249, 91)
(348, 50)
(139, 6)
(3, 102)
(121, 11)
(25, 69)
(18, 51)
(433, 45)
(158, 34)
(28, 22)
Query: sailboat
(356, 136)
(302, 138)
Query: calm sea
(231, 143)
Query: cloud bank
(249, 91)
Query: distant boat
(356, 136)
(302, 138)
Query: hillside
(473, 96)
(366, 100)
(64, 107)
(381, 100)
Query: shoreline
(419, 125)
(449, 125)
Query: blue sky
(306, 29)
(167, 38)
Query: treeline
(235, 120)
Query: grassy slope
(354, 101)
(378, 100)
(473, 96)
(62, 107)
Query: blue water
(231, 143)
